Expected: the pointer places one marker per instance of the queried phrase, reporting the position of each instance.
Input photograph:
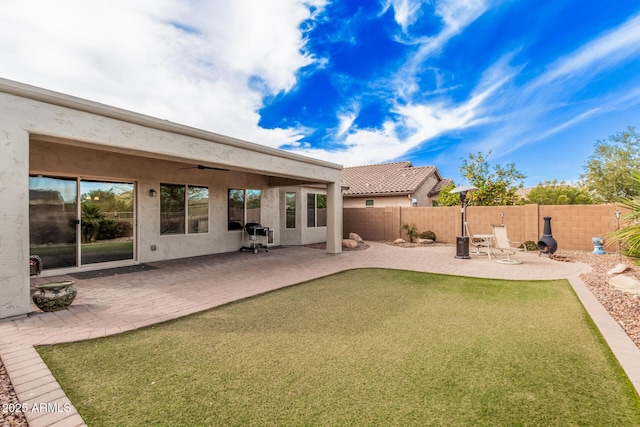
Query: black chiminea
(547, 244)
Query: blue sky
(351, 82)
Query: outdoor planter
(55, 295)
(598, 243)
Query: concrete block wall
(573, 226)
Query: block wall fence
(572, 226)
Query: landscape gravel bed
(9, 401)
(624, 307)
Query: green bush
(529, 245)
(428, 235)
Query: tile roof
(387, 178)
(436, 188)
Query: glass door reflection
(53, 213)
(106, 221)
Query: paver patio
(110, 305)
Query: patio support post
(334, 218)
(14, 226)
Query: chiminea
(547, 244)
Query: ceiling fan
(202, 167)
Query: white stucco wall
(74, 137)
(14, 220)
(378, 202)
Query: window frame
(185, 229)
(312, 212)
(290, 209)
(248, 197)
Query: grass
(364, 347)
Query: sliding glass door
(78, 222)
(53, 214)
(106, 221)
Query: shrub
(529, 245)
(629, 235)
(412, 231)
(428, 235)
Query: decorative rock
(399, 241)
(620, 268)
(626, 284)
(425, 241)
(356, 237)
(349, 243)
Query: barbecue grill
(258, 237)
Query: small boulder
(425, 241)
(626, 284)
(356, 237)
(399, 241)
(349, 243)
(620, 268)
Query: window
(244, 207)
(198, 209)
(181, 205)
(316, 210)
(290, 210)
(172, 209)
(321, 210)
(368, 203)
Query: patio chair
(479, 241)
(503, 244)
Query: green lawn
(364, 347)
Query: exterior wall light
(153, 193)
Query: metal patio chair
(503, 244)
(479, 241)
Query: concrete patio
(171, 289)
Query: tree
(558, 193)
(91, 219)
(495, 188)
(446, 198)
(608, 173)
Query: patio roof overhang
(181, 143)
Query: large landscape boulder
(356, 237)
(424, 241)
(625, 284)
(620, 268)
(349, 243)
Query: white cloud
(418, 123)
(405, 11)
(207, 64)
(455, 16)
(602, 52)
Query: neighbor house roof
(438, 187)
(397, 178)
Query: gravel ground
(7, 399)
(624, 308)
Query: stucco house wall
(378, 201)
(48, 133)
(422, 193)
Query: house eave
(67, 101)
(397, 193)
